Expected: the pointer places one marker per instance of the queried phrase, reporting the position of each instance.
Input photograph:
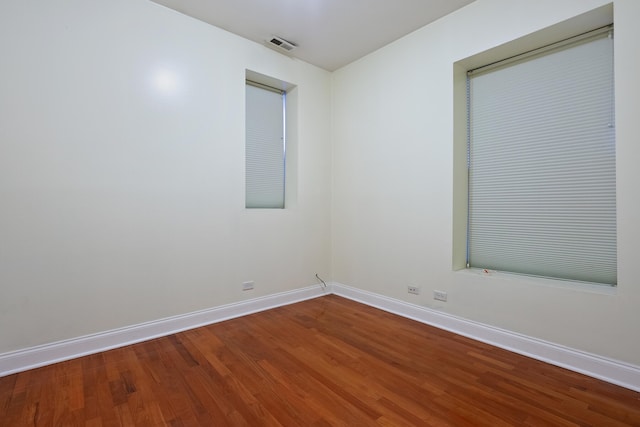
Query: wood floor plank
(324, 362)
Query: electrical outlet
(413, 290)
(440, 296)
(247, 286)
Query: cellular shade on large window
(542, 170)
(264, 147)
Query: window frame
(546, 236)
(527, 41)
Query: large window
(541, 158)
(265, 146)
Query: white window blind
(542, 172)
(264, 147)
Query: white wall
(393, 195)
(121, 203)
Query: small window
(542, 163)
(265, 148)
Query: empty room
(319, 213)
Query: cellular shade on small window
(264, 147)
(542, 163)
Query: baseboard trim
(612, 371)
(605, 369)
(34, 357)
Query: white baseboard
(612, 371)
(47, 354)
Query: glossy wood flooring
(324, 362)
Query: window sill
(540, 281)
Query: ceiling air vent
(281, 43)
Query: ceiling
(328, 33)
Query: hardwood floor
(324, 362)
